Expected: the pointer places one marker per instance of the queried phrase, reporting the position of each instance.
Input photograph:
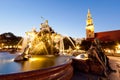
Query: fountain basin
(59, 67)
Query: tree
(85, 44)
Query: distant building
(108, 35)
(89, 26)
(103, 36)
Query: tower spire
(89, 26)
(89, 18)
(89, 15)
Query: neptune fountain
(38, 60)
(39, 42)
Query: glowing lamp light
(119, 46)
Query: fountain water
(71, 41)
(38, 66)
(62, 46)
(37, 41)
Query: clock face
(89, 31)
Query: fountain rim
(68, 61)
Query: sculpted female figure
(96, 53)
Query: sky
(66, 17)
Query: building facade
(108, 35)
(103, 36)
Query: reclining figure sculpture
(96, 53)
(24, 56)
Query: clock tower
(89, 26)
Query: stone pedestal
(87, 66)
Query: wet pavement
(115, 64)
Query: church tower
(89, 26)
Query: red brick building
(108, 35)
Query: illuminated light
(108, 51)
(2, 44)
(119, 46)
(6, 46)
(33, 59)
(10, 46)
(118, 51)
(20, 47)
(36, 59)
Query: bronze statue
(96, 52)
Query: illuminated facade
(89, 26)
(103, 36)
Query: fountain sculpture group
(41, 43)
